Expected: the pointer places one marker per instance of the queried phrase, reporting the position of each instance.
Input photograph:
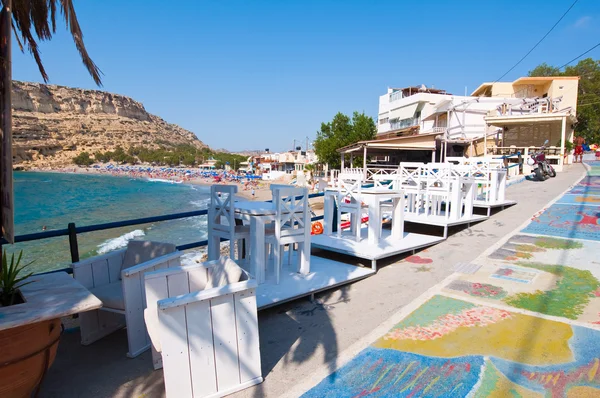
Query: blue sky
(255, 75)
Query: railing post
(73, 242)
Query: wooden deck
(441, 220)
(481, 204)
(324, 274)
(387, 247)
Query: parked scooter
(543, 169)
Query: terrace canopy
(531, 130)
(386, 146)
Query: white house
(508, 118)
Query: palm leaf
(39, 17)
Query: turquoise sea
(55, 199)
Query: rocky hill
(53, 124)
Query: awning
(406, 112)
(418, 142)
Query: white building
(503, 119)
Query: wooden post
(562, 141)
(365, 163)
(343, 155)
(73, 243)
(485, 144)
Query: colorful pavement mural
(513, 327)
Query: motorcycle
(544, 170)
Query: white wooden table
(258, 213)
(49, 297)
(373, 198)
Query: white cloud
(583, 22)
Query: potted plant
(568, 152)
(11, 280)
(26, 351)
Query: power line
(538, 43)
(579, 56)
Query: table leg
(257, 248)
(328, 215)
(455, 200)
(398, 218)
(469, 196)
(374, 219)
(493, 187)
(502, 187)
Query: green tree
(545, 70)
(342, 131)
(83, 159)
(588, 98)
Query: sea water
(53, 200)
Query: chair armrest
(150, 264)
(206, 294)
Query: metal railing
(72, 230)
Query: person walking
(579, 141)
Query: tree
(588, 98)
(544, 70)
(83, 159)
(40, 16)
(340, 132)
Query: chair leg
(277, 262)
(358, 217)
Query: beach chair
(117, 279)
(203, 324)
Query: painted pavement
(526, 323)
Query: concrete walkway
(302, 341)
(522, 319)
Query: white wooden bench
(203, 324)
(119, 285)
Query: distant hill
(53, 124)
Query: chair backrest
(411, 173)
(140, 251)
(350, 187)
(221, 213)
(439, 178)
(209, 337)
(177, 281)
(293, 211)
(384, 181)
(273, 187)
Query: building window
(384, 120)
(396, 95)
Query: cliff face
(53, 124)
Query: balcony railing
(529, 106)
(396, 125)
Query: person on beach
(253, 193)
(579, 141)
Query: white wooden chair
(116, 279)
(439, 184)
(221, 222)
(204, 328)
(349, 201)
(292, 226)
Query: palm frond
(39, 17)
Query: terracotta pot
(26, 352)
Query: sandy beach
(248, 189)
